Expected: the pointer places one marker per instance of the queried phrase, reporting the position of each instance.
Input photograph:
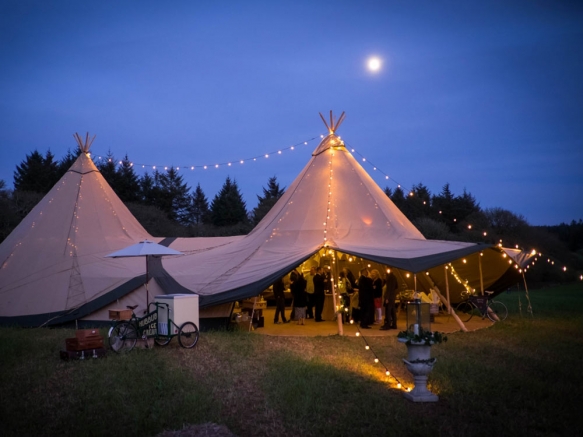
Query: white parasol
(144, 248)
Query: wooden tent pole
(340, 120)
(334, 297)
(448, 304)
(324, 120)
(481, 275)
(452, 312)
(529, 309)
(331, 121)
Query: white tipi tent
(52, 266)
(333, 205)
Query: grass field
(519, 377)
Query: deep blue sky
(485, 95)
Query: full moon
(374, 64)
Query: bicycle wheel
(122, 337)
(465, 311)
(162, 340)
(497, 311)
(188, 335)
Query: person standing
(350, 276)
(319, 294)
(279, 296)
(298, 291)
(389, 297)
(310, 293)
(365, 299)
(377, 290)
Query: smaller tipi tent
(53, 266)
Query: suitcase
(75, 344)
(83, 334)
(83, 355)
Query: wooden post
(481, 276)
(333, 285)
(529, 308)
(447, 290)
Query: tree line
(165, 205)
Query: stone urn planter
(420, 363)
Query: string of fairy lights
(341, 309)
(218, 165)
(281, 151)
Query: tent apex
(84, 146)
(333, 126)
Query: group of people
(309, 293)
(372, 294)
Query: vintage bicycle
(124, 334)
(481, 305)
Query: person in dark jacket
(365, 299)
(298, 290)
(377, 286)
(278, 295)
(389, 297)
(319, 294)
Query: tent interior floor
(442, 323)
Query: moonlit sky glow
(374, 64)
(485, 96)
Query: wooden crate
(74, 344)
(120, 314)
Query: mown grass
(520, 377)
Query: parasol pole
(147, 293)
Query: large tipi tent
(54, 267)
(332, 206)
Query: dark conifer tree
(271, 195)
(127, 183)
(173, 197)
(199, 207)
(108, 169)
(444, 205)
(465, 205)
(418, 204)
(36, 173)
(388, 192)
(67, 161)
(148, 189)
(228, 207)
(398, 199)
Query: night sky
(486, 96)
